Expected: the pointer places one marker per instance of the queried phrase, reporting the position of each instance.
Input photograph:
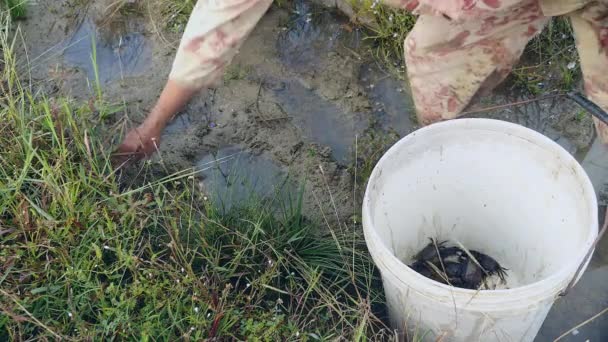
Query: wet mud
(296, 104)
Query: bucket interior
(511, 194)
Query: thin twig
(331, 197)
(8, 295)
(587, 321)
(508, 105)
(447, 279)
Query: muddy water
(320, 120)
(298, 94)
(391, 100)
(117, 54)
(231, 174)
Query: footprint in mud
(116, 55)
(233, 175)
(320, 120)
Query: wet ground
(294, 104)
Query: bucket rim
(549, 286)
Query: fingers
(124, 156)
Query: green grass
(388, 29)
(175, 13)
(370, 147)
(87, 255)
(236, 72)
(16, 8)
(550, 62)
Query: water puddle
(588, 298)
(311, 33)
(321, 121)
(116, 54)
(595, 164)
(391, 99)
(232, 175)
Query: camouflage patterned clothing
(457, 49)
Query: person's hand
(140, 142)
(143, 141)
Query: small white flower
(205, 198)
(571, 65)
(106, 247)
(196, 309)
(248, 285)
(208, 314)
(69, 314)
(182, 270)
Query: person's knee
(409, 46)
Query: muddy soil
(296, 101)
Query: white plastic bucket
(498, 188)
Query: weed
(312, 152)
(550, 61)
(370, 148)
(17, 8)
(580, 115)
(176, 13)
(388, 27)
(236, 72)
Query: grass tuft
(17, 8)
(550, 61)
(388, 28)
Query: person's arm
(215, 31)
(144, 140)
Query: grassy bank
(83, 255)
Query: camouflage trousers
(452, 59)
(457, 49)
